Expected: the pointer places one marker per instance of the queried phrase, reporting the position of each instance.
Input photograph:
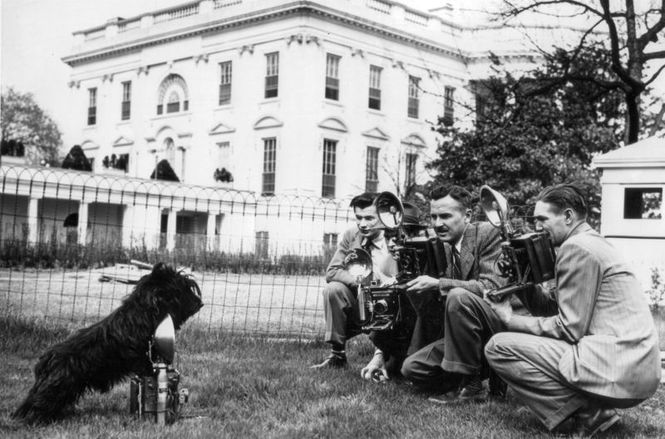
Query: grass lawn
(256, 388)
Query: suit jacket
(603, 313)
(481, 248)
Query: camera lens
(380, 306)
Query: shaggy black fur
(100, 356)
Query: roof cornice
(302, 7)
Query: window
(332, 77)
(173, 95)
(643, 203)
(410, 170)
(92, 106)
(375, 87)
(269, 157)
(225, 83)
(448, 109)
(413, 97)
(329, 159)
(116, 161)
(272, 74)
(372, 170)
(261, 248)
(330, 240)
(125, 110)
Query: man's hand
(375, 369)
(502, 309)
(384, 280)
(423, 283)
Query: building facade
(318, 98)
(314, 99)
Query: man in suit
(392, 346)
(472, 249)
(340, 303)
(591, 346)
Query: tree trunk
(632, 117)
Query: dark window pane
(642, 203)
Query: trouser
(529, 364)
(469, 323)
(340, 308)
(342, 320)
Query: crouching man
(594, 348)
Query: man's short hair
(457, 193)
(564, 196)
(363, 200)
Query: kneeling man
(594, 348)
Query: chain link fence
(68, 240)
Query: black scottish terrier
(102, 355)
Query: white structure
(632, 215)
(316, 99)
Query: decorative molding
(332, 123)
(202, 57)
(73, 84)
(123, 141)
(376, 133)
(142, 69)
(221, 128)
(294, 38)
(246, 48)
(169, 64)
(107, 77)
(414, 140)
(397, 64)
(293, 8)
(184, 135)
(433, 74)
(357, 52)
(312, 39)
(267, 122)
(89, 145)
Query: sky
(36, 34)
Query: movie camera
(383, 306)
(155, 396)
(526, 259)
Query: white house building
(311, 98)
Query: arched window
(173, 95)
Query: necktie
(457, 268)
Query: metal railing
(260, 261)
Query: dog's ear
(159, 267)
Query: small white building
(632, 216)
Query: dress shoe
(332, 362)
(472, 391)
(590, 422)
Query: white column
(210, 231)
(83, 223)
(33, 220)
(127, 214)
(170, 230)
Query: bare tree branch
(651, 33)
(654, 76)
(653, 55)
(515, 10)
